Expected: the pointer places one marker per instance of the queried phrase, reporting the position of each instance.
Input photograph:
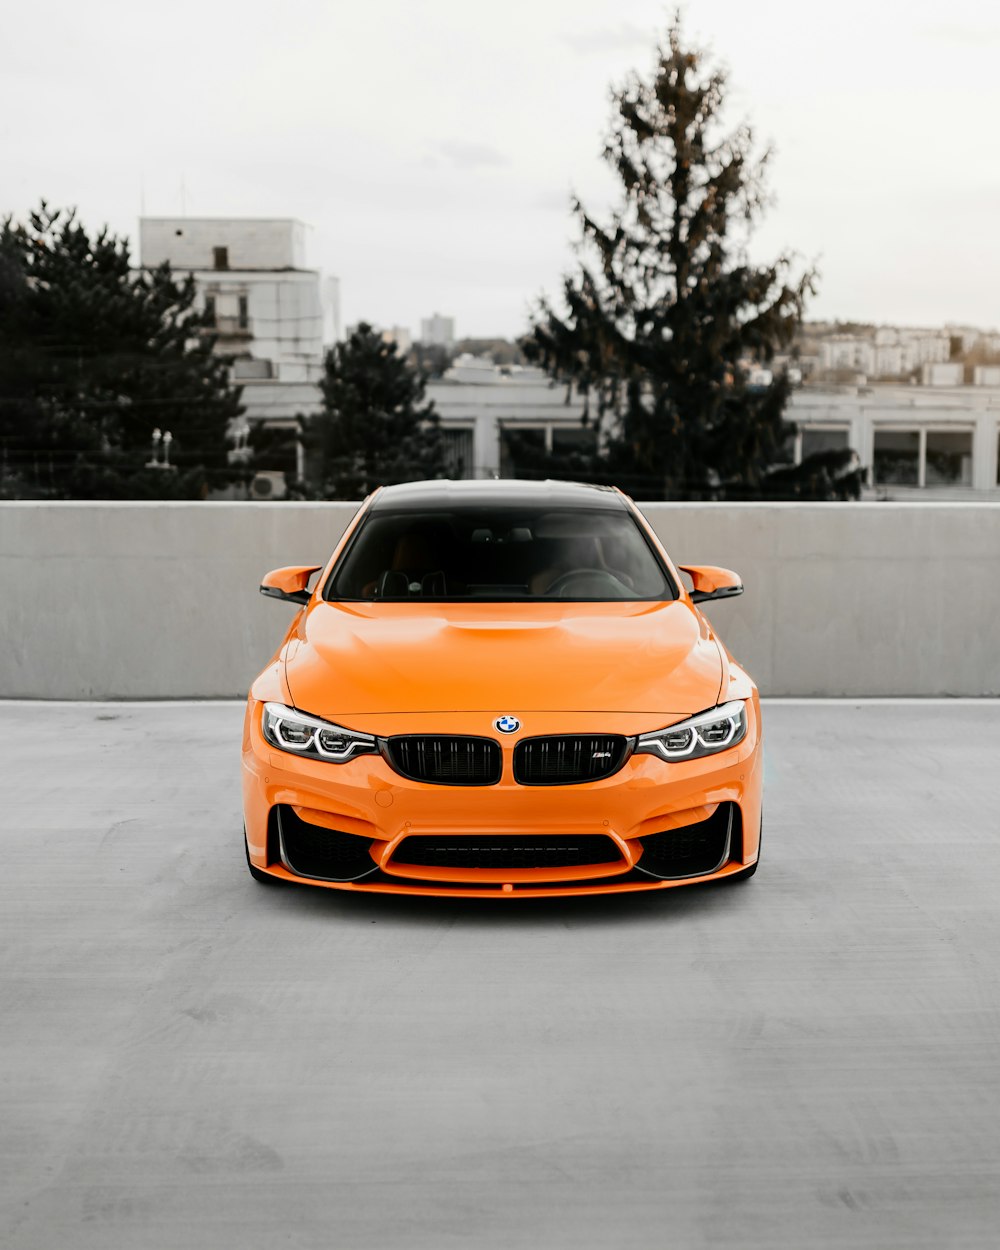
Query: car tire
(263, 877)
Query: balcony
(233, 328)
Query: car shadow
(672, 905)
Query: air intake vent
(446, 761)
(569, 760)
(327, 854)
(460, 851)
(692, 850)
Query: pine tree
(95, 357)
(375, 428)
(666, 312)
(21, 419)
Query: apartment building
(437, 330)
(273, 314)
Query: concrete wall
(253, 242)
(104, 600)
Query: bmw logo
(507, 724)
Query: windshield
(500, 554)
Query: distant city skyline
(433, 148)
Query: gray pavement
(811, 1059)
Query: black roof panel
(513, 492)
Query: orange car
(501, 690)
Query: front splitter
(506, 890)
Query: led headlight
(289, 730)
(704, 734)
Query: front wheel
(263, 877)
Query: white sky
(433, 144)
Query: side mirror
(711, 582)
(289, 583)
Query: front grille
(569, 759)
(314, 851)
(446, 761)
(692, 850)
(460, 851)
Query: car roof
(513, 492)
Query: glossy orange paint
(709, 579)
(364, 659)
(452, 668)
(291, 580)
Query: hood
(351, 659)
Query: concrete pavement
(811, 1059)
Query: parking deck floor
(810, 1059)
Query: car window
(500, 554)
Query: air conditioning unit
(268, 486)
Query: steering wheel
(565, 585)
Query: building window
(220, 257)
(925, 457)
(244, 312)
(458, 453)
(815, 441)
(278, 448)
(252, 369)
(210, 309)
(523, 452)
(785, 452)
(567, 439)
(948, 458)
(897, 458)
(530, 453)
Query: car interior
(581, 555)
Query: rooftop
(193, 1060)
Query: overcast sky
(432, 145)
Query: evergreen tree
(666, 312)
(430, 359)
(94, 357)
(375, 428)
(20, 416)
(823, 475)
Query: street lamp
(241, 452)
(161, 439)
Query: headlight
(289, 730)
(704, 734)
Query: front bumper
(362, 826)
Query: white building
(481, 403)
(968, 336)
(908, 349)
(401, 336)
(943, 373)
(887, 352)
(847, 351)
(272, 313)
(438, 330)
(916, 442)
